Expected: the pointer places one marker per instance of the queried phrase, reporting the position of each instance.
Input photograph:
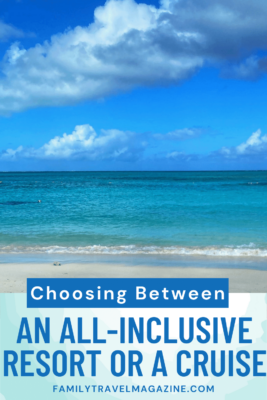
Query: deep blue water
(208, 213)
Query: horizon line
(80, 171)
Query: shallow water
(136, 213)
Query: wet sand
(13, 275)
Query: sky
(133, 85)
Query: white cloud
(135, 151)
(255, 145)
(8, 31)
(115, 53)
(250, 153)
(83, 143)
(180, 134)
(130, 45)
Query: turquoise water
(171, 213)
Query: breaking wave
(211, 251)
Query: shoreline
(145, 260)
(13, 276)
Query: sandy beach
(13, 276)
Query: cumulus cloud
(255, 145)
(8, 31)
(181, 134)
(252, 153)
(136, 151)
(130, 45)
(83, 143)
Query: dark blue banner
(127, 293)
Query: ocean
(176, 214)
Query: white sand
(13, 276)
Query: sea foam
(211, 251)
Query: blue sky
(170, 85)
